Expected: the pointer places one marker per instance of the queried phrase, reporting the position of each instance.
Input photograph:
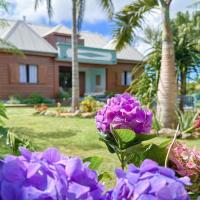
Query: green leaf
(142, 137)
(95, 162)
(104, 176)
(124, 137)
(159, 141)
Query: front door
(82, 83)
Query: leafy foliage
(36, 98)
(186, 119)
(2, 114)
(187, 55)
(94, 161)
(14, 142)
(129, 19)
(134, 148)
(89, 104)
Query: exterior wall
(48, 75)
(114, 76)
(52, 39)
(113, 79)
(9, 76)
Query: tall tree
(77, 18)
(128, 20)
(187, 57)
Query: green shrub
(89, 104)
(36, 98)
(64, 95)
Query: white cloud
(62, 10)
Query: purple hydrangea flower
(47, 176)
(149, 182)
(124, 111)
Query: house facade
(46, 66)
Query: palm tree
(77, 17)
(186, 32)
(131, 18)
(187, 57)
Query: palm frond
(10, 48)
(48, 4)
(129, 19)
(3, 5)
(108, 6)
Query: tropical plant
(77, 18)
(2, 114)
(185, 29)
(14, 142)
(145, 86)
(186, 120)
(89, 104)
(187, 57)
(131, 18)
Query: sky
(95, 19)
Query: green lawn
(73, 136)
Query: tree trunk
(75, 67)
(183, 92)
(167, 87)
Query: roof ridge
(26, 25)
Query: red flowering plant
(186, 162)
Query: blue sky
(95, 19)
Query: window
(126, 78)
(28, 73)
(98, 80)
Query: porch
(92, 81)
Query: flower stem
(171, 145)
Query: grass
(72, 136)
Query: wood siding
(9, 76)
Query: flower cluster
(124, 111)
(149, 182)
(185, 161)
(47, 175)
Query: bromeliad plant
(125, 128)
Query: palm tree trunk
(183, 91)
(167, 87)
(75, 67)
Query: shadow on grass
(88, 147)
(28, 132)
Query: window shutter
(14, 73)
(43, 74)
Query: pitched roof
(33, 40)
(127, 53)
(26, 39)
